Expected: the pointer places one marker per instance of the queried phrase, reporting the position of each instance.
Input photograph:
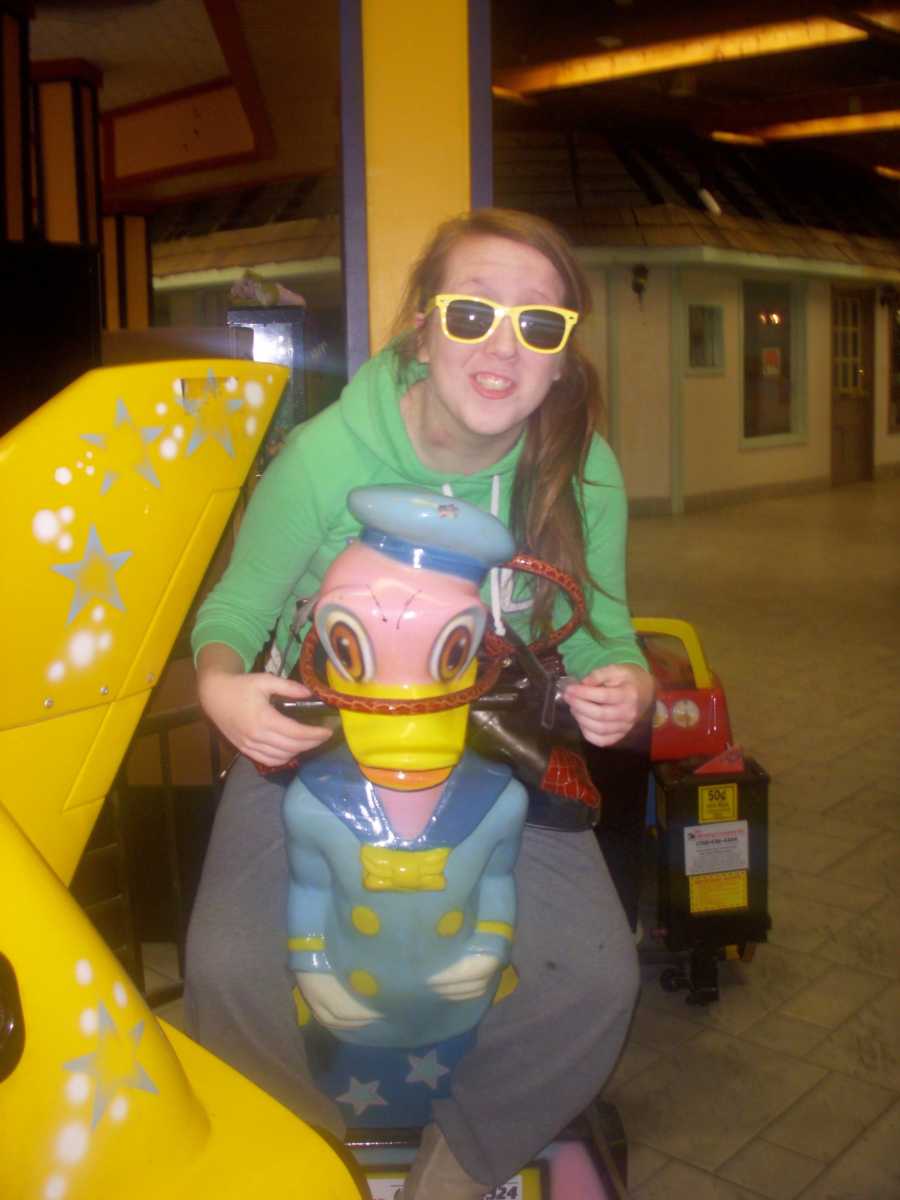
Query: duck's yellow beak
(430, 742)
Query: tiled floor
(789, 1087)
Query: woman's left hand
(609, 701)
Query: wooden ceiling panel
(749, 94)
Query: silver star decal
(362, 1096)
(114, 1065)
(210, 422)
(426, 1069)
(143, 436)
(94, 576)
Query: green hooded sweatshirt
(298, 521)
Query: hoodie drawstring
(501, 580)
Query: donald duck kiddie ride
(402, 843)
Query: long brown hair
(545, 516)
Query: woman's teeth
(493, 383)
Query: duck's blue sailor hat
(428, 530)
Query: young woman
(484, 395)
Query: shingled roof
(674, 226)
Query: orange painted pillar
(415, 82)
(65, 151)
(127, 272)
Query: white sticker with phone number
(386, 1189)
(722, 846)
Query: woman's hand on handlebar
(609, 701)
(240, 706)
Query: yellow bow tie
(403, 870)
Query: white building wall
(887, 445)
(715, 456)
(640, 349)
(639, 383)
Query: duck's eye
(455, 645)
(346, 643)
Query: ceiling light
(754, 42)
(736, 139)
(831, 126)
(502, 93)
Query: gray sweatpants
(541, 1055)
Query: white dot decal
(89, 454)
(178, 432)
(178, 387)
(45, 525)
(89, 1022)
(104, 641)
(168, 449)
(98, 613)
(89, 470)
(84, 972)
(118, 1110)
(254, 393)
(121, 996)
(231, 384)
(250, 426)
(72, 1143)
(65, 542)
(62, 475)
(67, 514)
(78, 1088)
(55, 1187)
(161, 409)
(56, 671)
(82, 649)
(80, 465)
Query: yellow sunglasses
(471, 319)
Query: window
(894, 377)
(705, 349)
(771, 360)
(847, 351)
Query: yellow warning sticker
(722, 890)
(718, 802)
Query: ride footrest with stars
(386, 1087)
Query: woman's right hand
(240, 705)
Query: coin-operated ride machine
(402, 840)
(711, 818)
(114, 495)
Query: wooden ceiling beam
(226, 23)
(886, 31)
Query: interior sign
(723, 846)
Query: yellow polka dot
(304, 1015)
(509, 981)
(364, 983)
(450, 923)
(365, 920)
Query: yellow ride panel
(115, 494)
